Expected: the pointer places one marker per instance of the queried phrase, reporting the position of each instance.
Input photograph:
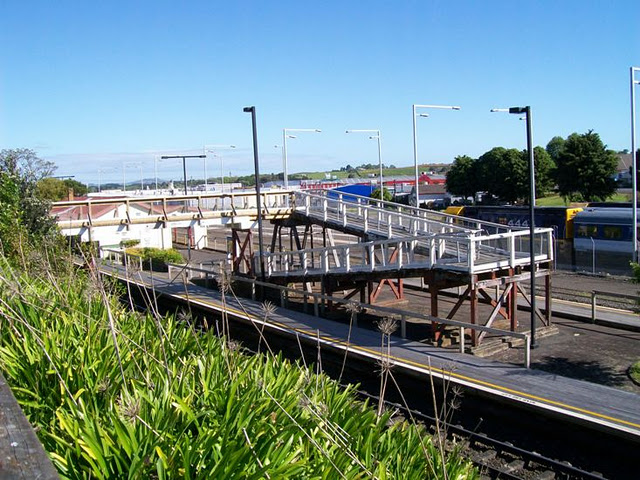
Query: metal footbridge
(391, 237)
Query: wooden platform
(600, 407)
(21, 453)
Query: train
(594, 238)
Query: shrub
(156, 258)
(129, 243)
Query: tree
(585, 168)
(79, 188)
(545, 170)
(52, 189)
(555, 147)
(21, 170)
(386, 194)
(461, 177)
(503, 173)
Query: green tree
(461, 177)
(555, 147)
(503, 173)
(545, 170)
(79, 188)
(22, 169)
(585, 168)
(386, 194)
(52, 189)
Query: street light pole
(285, 135)
(634, 166)
(415, 139)
(532, 202)
(184, 165)
(377, 136)
(252, 111)
(212, 149)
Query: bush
(156, 258)
(634, 372)
(129, 243)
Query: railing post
(325, 206)
(325, 260)
(366, 220)
(403, 326)
(462, 340)
(372, 257)
(512, 251)
(400, 253)
(527, 351)
(593, 306)
(471, 253)
(347, 260)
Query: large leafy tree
(545, 170)
(555, 147)
(20, 171)
(503, 173)
(461, 177)
(586, 168)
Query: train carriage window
(612, 233)
(587, 231)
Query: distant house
(430, 178)
(623, 170)
(430, 196)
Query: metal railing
(317, 301)
(133, 210)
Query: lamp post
(124, 175)
(256, 163)
(286, 134)
(184, 165)
(634, 166)
(415, 138)
(378, 137)
(532, 202)
(212, 149)
(100, 172)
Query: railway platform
(590, 405)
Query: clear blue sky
(89, 85)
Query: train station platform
(597, 407)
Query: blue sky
(93, 85)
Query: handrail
(403, 314)
(596, 293)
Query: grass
(386, 172)
(634, 372)
(557, 201)
(117, 394)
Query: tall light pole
(124, 169)
(100, 172)
(286, 134)
(212, 149)
(415, 138)
(256, 163)
(634, 166)
(532, 202)
(378, 137)
(184, 165)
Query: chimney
(71, 198)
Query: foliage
(635, 268)
(25, 215)
(387, 196)
(555, 147)
(502, 173)
(461, 177)
(634, 371)
(157, 258)
(129, 243)
(117, 395)
(586, 168)
(545, 170)
(52, 189)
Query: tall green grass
(116, 394)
